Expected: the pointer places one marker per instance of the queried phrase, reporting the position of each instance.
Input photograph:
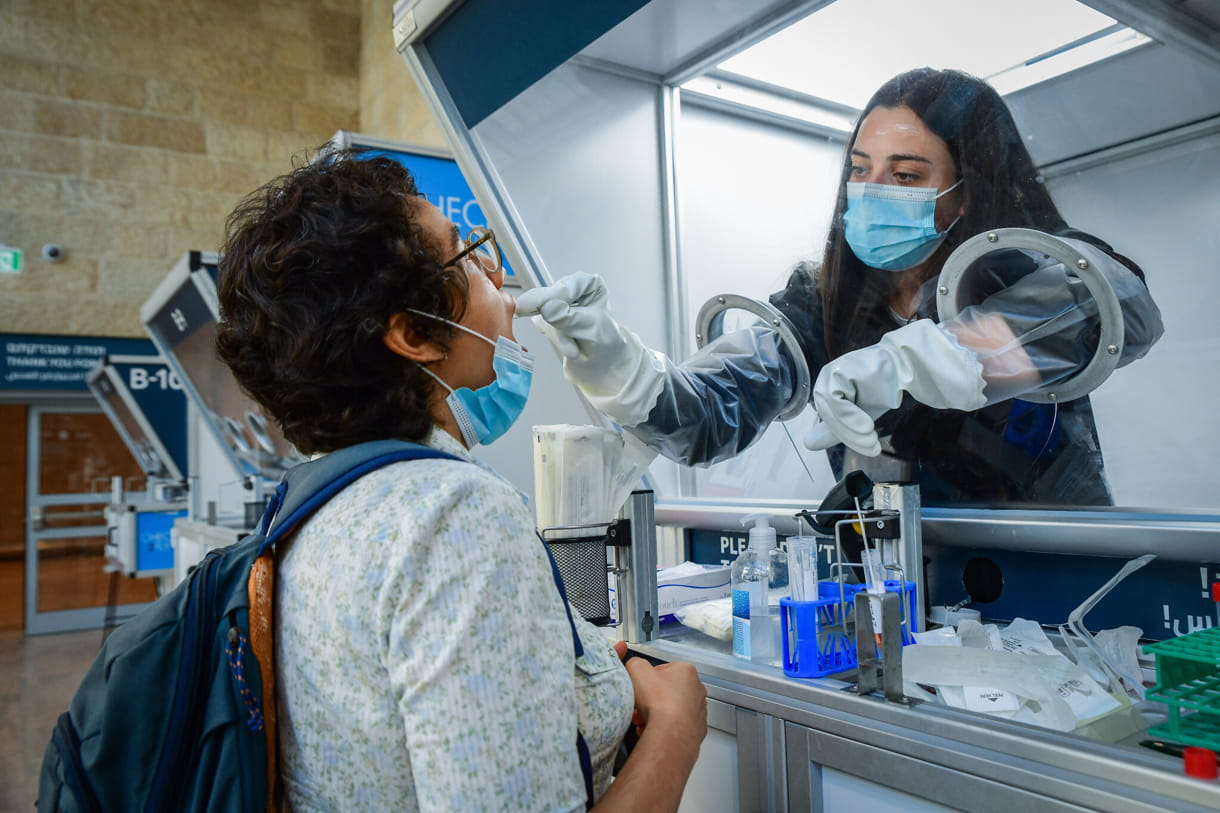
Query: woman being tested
(934, 159)
(425, 658)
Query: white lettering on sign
(730, 544)
(179, 319)
(1194, 623)
(451, 206)
(139, 378)
(473, 220)
(32, 349)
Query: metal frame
(502, 216)
(36, 622)
(1163, 21)
(344, 139)
(709, 326)
(1179, 536)
(190, 271)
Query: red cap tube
(1199, 762)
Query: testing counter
(778, 743)
(781, 744)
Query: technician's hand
(574, 314)
(858, 387)
(609, 363)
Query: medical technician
(425, 659)
(934, 159)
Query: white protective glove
(608, 363)
(856, 388)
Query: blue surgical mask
(485, 414)
(893, 227)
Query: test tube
(875, 578)
(803, 567)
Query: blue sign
(158, 393)
(720, 547)
(440, 182)
(1164, 598)
(154, 548)
(38, 362)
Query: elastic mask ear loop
(960, 181)
(434, 376)
(941, 194)
(451, 324)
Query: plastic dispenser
(755, 576)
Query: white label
(978, 698)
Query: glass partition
(682, 154)
(1119, 128)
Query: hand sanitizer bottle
(755, 628)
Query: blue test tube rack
(815, 635)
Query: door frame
(39, 623)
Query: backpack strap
(307, 487)
(260, 589)
(303, 490)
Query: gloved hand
(608, 363)
(920, 358)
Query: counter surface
(947, 752)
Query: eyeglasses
(480, 246)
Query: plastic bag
(714, 618)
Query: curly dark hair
(314, 265)
(1000, 183)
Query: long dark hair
(1000, 184)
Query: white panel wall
(1157, 417)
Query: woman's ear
(402, 340)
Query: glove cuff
(934, 367)
(627, 390)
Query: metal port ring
(1079, 258)
(709, 325)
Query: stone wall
(390, 103)
(130, 128)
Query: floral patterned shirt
(425, 660)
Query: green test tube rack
(1188, 683)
